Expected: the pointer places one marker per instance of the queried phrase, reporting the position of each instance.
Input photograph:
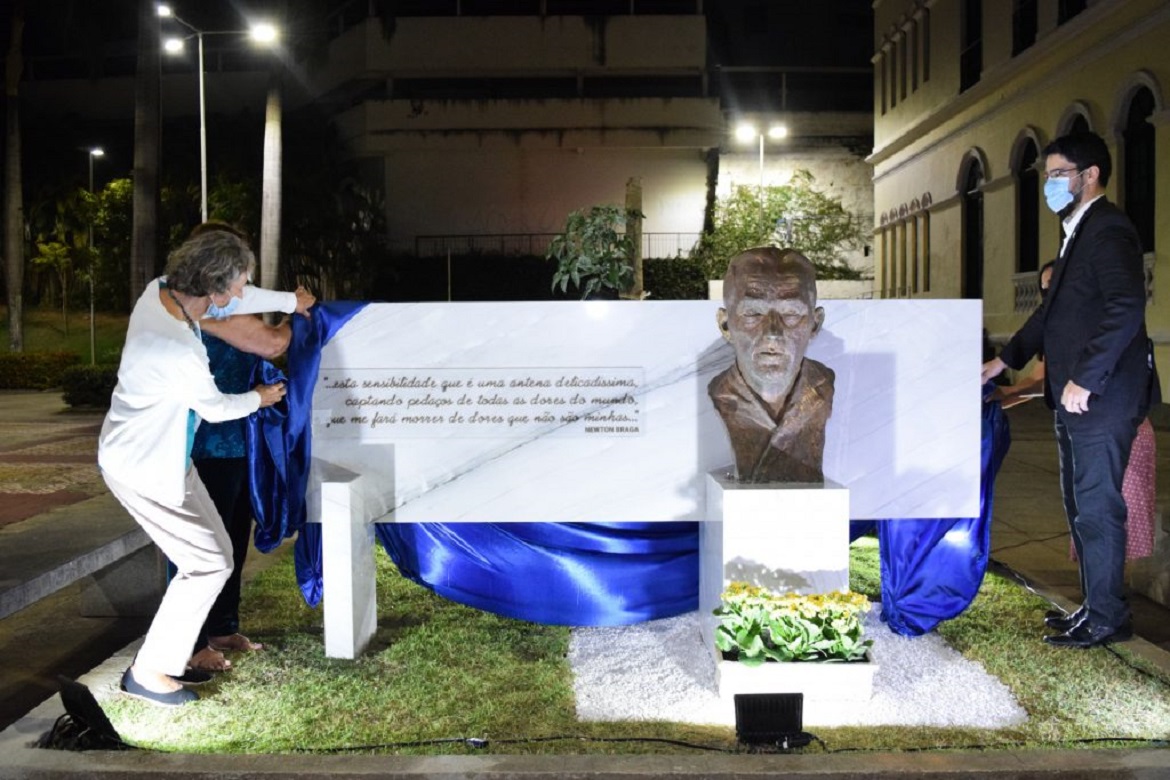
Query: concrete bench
(95, 542)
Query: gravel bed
(661, 670)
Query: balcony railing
(653, 244)
(1027, 287)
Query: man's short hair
(1084, 150)
(781, 260)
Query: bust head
(769, 315)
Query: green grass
(438, 670)
(45, 331)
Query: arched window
(1028, 208)
(973, 229)
(1140, 166)
(1078, 125)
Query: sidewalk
(1028, 536)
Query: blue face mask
(1057, 195)
(223, 312)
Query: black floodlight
(775, 719)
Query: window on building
(1028, 209)
(925, 39)
(912, 45)
(971, 44)
(892, 62)
(1023, 25)
(1079, 124)
(973, 230)
(1067, 9)
(902, 62)
(880, 75)
(1140, 166)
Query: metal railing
(536, 244)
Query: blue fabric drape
(579, 574)
(279, 446)
(583, 573)
(932, 569)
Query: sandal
(208, 659)
(234, 642)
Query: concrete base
(786, 538)
(347, 542)
(132, 587)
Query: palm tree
(13, 198)
(147, 153)
(270, 200)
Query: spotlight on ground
(775, 719)
(84, 726)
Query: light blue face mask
(223, 312)
(1057, 195)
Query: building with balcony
(966, 95)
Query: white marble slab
(634, 433)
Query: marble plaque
(598, 411)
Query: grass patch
(45, 331)
(438, 672)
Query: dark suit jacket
(1091, 326)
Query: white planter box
(819, 682)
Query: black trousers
(1093, 458)
(226, 480)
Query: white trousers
(193, 537)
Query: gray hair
(208, 263)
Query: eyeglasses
(1061, 173)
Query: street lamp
(747, 132)
(262, 33)
(96, 151)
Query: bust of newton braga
(774, 401)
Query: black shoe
(1085, 635)
(176, 698)
(1063, 622)
(192, 677)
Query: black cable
(480, 743)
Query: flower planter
(819, 681)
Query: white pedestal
(347, 550)
(786, 538)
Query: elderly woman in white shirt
(164, 389)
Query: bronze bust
(774, 401)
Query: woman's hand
(305, 301)
(270, 394)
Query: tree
(795, 214)
(270, 192)
(147, 151)
(13, 197)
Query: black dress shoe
(1062, 622)
(1085, 635)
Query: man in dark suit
(1099, 377)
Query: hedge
(34, 370)
(89, 386)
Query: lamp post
(261, 33)
(96, 151)
(748, 132)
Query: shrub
(34, 370)
(89, 385)
(674, 278)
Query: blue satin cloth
(580, 574)
(932, 569)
